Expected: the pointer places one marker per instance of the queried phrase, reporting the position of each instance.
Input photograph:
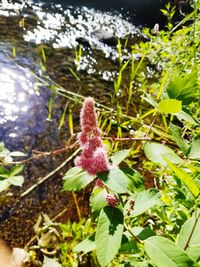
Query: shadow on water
(27, 29)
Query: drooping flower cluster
(93, 158)
(112, 200)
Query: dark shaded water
(27, 31)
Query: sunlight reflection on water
(16, 87)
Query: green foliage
(115, 180)
(164, 253)
(183, 88)
(144, 201)
(134, 224)
(194, 152)
(185, 178)
(157, 153)
(108, 234)
(10, 175)
(189, 237)
(76, 179)
(119, 156)
(170, 106)
(181, 143)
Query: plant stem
(77, 206)
(45, 178)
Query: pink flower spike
(100, 160)
(88, 115)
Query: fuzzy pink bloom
(82, 138)
(93, 164)
(112, 200)
(93, 158)
(100, 160)
(88, 115)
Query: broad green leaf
(169, 106)
(2, 146)
(189, 237)
(6, 175)
(185, 178)
(119, 156)
(128, 246)
(15, 170)
(145, 200)
(16, 180)
(76, 179)
(183, 88)
(195, 149)
(140, 232)
(164, 253)
(3, 170)
(115, 180)
(98, 199)
(135, 180)
(108, 234)
(183, 115)
(7, 160)
(86, 245)
(4, 185)
(182, 144)
(157, 152)
(49, 262)
(17, 154)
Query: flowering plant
(109, 200)
(121, 205)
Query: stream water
(37, 43)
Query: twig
(151, 125)
(131, 233)
(76, 205)
(30, 189)
(41, 154)
(128, 138)
(192, 232)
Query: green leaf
(3, 170)
(184, 88)
(108, 234)
(50, 262)
(189, 237)
(86, 245)
(183, 115)
(164, 253)
(182, 144)
(157, 152)
(15, 170)
(98, 200)
(119, 156)
(145, 200)
(135, 180)
(140, 232)
(185, 178)
(2, 146)
(75, 179)
(115, 180)
(4, 185)
(16, 180)
(195, 149)
(7, 160)
(17, 154)
(169, 106)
